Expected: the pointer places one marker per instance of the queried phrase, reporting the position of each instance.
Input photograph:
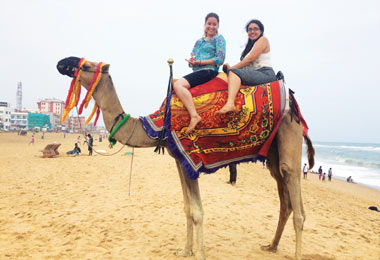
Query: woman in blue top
(207, 56)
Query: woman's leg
(234, 83)
(181, 88)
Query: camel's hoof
(183, 252)
(200, 256)
(269, 248)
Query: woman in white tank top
(254, 68)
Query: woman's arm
(260, 46)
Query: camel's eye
(86, 67)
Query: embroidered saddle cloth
(219, 140)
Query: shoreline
(79, 208)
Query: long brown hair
(250, 42)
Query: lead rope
(133, 151)
(85, 138)
(130, 172)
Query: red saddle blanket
(219, 140)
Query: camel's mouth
(67, 66)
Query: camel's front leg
(194, 215)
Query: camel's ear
(105, 68)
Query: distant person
(31, 141)
(324, 177)
(75, 151)
(78, 140)
(349, 179)
(330, 174)
(305, 170)
(233, 173)
(90, 144)
(320, 172)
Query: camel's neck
(131, 133)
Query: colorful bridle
(73, 96)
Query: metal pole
(170, 88)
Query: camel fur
(283, 161)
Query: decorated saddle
(219, 140)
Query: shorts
(200, 77)
(253, 77)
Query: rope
(130, 172)
(83, 131)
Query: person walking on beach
(324, 177)
(330, 174)
(320, 172)
(305, 170)
(233, 173)
(207, 56)
(31, 141)
(90, 144)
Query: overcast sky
(329, 52)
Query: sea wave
(362, 164)
(362, 148)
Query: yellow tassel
(92, 114)
(93, 88)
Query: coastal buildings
(19, 120)
(75, 123)
(47, 117)
(54, 108)
(51, 105)
(5, 116)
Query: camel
(283, 161)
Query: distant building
(38, 120)
(19, 120)
(53, 105)
(54, 108)
(75, 123)
(5, 116)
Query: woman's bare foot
(193, 123)
(226, 108)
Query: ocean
(359, 160)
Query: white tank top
(263, 60)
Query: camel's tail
(310, 151)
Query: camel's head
(68, 66)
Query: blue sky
(328, 51)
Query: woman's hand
(193, 62)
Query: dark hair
(250, 42)
(212, 15)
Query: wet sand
(79, 208)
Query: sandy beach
(79, 208)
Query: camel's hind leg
(194, 215)
(283, 193)
(289, 143)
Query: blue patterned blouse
(214, 49)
